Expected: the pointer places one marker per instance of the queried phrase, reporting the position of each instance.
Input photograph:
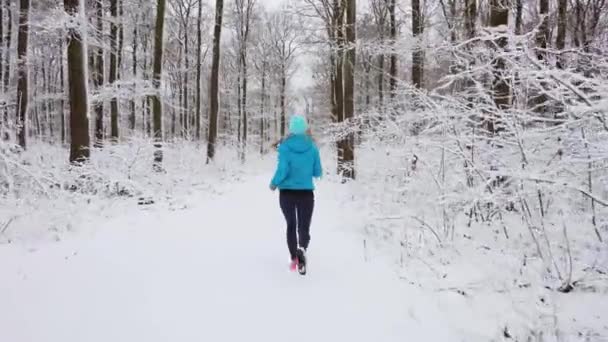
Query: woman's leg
(288, 206)
(305, 207)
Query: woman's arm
(317, 168)
(282, 167)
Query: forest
(466, 141)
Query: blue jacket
(299, 162)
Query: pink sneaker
(294, 264)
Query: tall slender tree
(499, 18)
(346, 153)
(99, 76)
(156, 80)
(199, 43)
(114, 68)
(393, 35)
(418, 53)
(562, 22)
(22, 72)
(214, 81)
(244, 13)
(77, 84)
(542, 39)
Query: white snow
(214, 272)
(208, 261)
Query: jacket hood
(299, 143)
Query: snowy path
(217, 272)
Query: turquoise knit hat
(298, 125)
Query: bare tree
(214, 81)
(346, 148)
(199, 39)
(244, 16)
(380, 12)
(99, 77)
(77, 81)
(156, 80)
(562, 22)
(418, 53)
(499, 18)
(393, 34)
(114, 68)
(22, 72)
(285, 45)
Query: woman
(298, 164)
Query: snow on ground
(208, 261)
(217, 271)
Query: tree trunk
(114, 68)
(214, 81)
(2, 38)
(63, 95)
(134, 66)
(346, 156)
(7, 50)
(542, 38)
(77, 83)
(239, 109)
(156, 80)
(199, 44)
(22, 67)
(121, 39)
(99, 79)
(518, 16)
(418, 53)
(499, 16)
(393, 33)
(185, 127)
(262, 100)
(562, 22)
(244, 105)
(470, 18)
(283, 90)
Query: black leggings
(297, 206)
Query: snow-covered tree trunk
(499, 20)
(214, 81)
(114, 68)
(199, 44)
(562, 23)
(418, 53)
(393, 34)
(99, 77)
(156, 80)
(346, 152)
(22, 73)
(77, 85)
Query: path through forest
(215, 272)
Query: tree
(346, 148)
(380, 12)
(542, 38)
(214, 81)
(418, 53)
(499, 20)
(77, 84)
(244, 12)
(99, 77)
(562, 22)
(156, 80)
(285, 45)
(393, 33)
(199, 39)
(22, 67)
(114, 68)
